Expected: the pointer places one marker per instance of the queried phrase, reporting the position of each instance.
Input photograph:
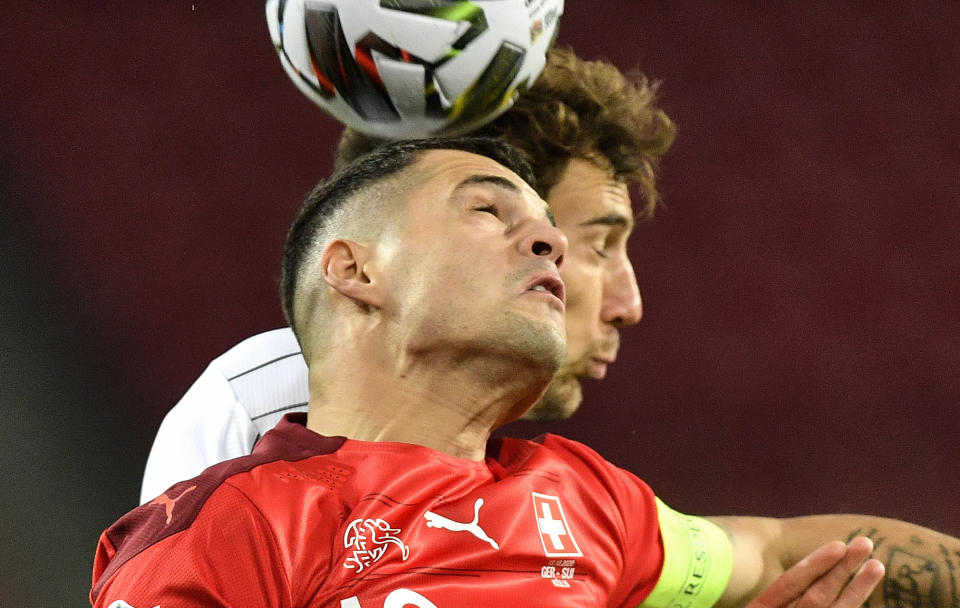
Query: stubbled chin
(559, 402)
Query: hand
(823, 578)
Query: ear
(345, 268)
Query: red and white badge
(555, 534)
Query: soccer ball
(401, 69)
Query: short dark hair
(383, 162)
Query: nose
(544, 240)
(622, 304)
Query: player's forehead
(589, 192)
(443, 165)
(453, 173)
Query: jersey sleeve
(668, 559)
(694, 556)
(228, 557)
(208, 425)
(697, 562)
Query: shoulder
(266, 375)
(560, 443)
(576, 464)
(577, 453)
(239, 397)
(188, 514)
(580, 465)
(258, 351)
(543, 449)
(151, 555)
(245, 372)
(238, 495)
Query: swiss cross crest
(369, 539)
(555, 534)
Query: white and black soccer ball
(413, 68)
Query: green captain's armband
(697, 562)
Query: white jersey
(241, 395)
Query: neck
(450, 403)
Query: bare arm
(922, 565)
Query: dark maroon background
(800, 347)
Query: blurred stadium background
(800, 350)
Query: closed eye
(491, 209)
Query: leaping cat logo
(439, 521)
(169, 503)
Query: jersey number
(397, 599)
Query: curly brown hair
(576, 109)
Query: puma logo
(168, 503)
(439, 521)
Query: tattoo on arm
(917, 577)
(952, 573)
(873, 534)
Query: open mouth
(549, 283)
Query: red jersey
(310, 521)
